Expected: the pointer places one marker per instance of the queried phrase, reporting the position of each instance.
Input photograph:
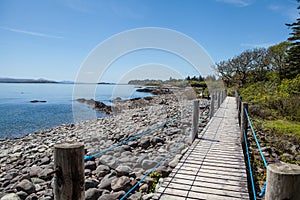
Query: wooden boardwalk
(214, 166)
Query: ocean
(18, 116)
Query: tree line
(281, 60)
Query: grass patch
(155, 176)
(286, 127)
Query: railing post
(244, 121)
(283, 181)
(195, 120)
(219, 99)
(69, 165)
(212, 106)
(221, 96)
(239, 110)
(237, 98)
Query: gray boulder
(108, 160)
(135, 196)
(89, 184)
(90, 165)
(26, 186)
(92, 194)
(145, 143)
(35, 171)
(122, 183)
(123, 170)
(10, 196)
(106, 181)
(113, 196)
(102, 170)
(148, 164)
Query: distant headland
(41, 80)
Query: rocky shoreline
(25, 162)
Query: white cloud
(274, 7)
(78, 5)
(290, 12)
(239, 3)
(30, 33)
(122, 10)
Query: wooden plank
(171, 197)
(213, 168)
(171, 191)
(219, 181)
(216, 163)
(221, 192)
(211, 196)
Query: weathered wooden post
(219, 99)
(283, 181)
(195, 120)
(69, 165)
(244, 121)
(212, 106)
(237, 98)
(239, 110)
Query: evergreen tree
(293, 60)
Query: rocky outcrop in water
(97, 105)
(38, 101)
(155, 90)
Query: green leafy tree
(249, 66)
(278, 58)
(260, 65)
(293, 61)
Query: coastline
(27, 108)
(28, 160)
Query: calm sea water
(19, 117)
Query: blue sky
(51, 39)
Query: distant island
(41, 80)
(17, 80)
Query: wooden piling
(195, 120)
(212, 106)
(69, 165)
(237, 98)
(239, 110)
(218, 99)
(283, 181)
(244, 120)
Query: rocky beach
(25, 163)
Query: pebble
(106, 181)
(123, 170)
(92, 194)
(89, 184)
(122, 183)
(26, 186)
(102, 170)
(11, 196)
(25, 162)
(113, 196)
(90, 165)
(148, 164)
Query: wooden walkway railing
(214, 167)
